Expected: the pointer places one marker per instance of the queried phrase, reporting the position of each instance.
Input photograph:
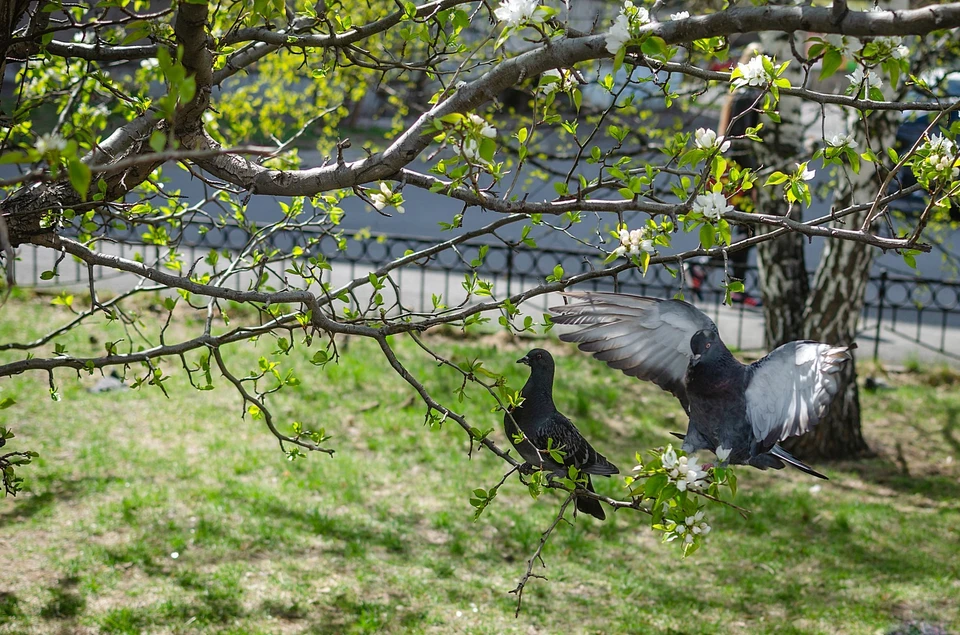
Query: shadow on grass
(58, 491)
(9, 607)
(346, 614)
(65, 602)
(882, 471)
(950, 427)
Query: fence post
(509, 270)
(881, 296)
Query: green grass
(380, 537)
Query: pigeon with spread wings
(739, 412)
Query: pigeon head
(537, 359)
(704, 344)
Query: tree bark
(833, 308)
(827, 310)
(783, 275)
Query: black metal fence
(922, 311)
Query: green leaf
(158, 141)
(831, 62)
(79, 177)
(7, 402)
(776, 179)
(707, 236)
(654, 484)
(654, 47)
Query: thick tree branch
(102, 53)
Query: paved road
(424, 212)
(741, 327)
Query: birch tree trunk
(783, 274)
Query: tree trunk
(783, 274)
(783, 282)
(831, 316)
(834, 306)
(829, 309)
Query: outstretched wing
(789, 390)
(646, 338)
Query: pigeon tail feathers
(590, 505)
(786, 457)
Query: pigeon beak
(524, 360)
(695, 360)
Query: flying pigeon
(738, 412)
(542, 427)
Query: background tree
(103, 102)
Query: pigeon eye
(707, 345)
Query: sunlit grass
(149, 514)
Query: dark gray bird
(543, 427)
(738, 412)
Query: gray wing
(789, 390)
(646, 338)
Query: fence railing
(921, 311)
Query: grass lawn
(174, 515)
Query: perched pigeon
(543, 427)
(738, 412)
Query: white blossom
(634, 242)
(687, 530)
(669, 458)
(686, 473)
(517, 12)
(680, 16)
(723, 453)
(888, 42)
(382, 198)
(892, 45)
(618, 34)
(631, 16)
(805, 174)
(564, 82)
(149, 63)
(845, 44)
(943, 162)
(857, 78)
(940, 144)
(471, 149)
(753, 73)
(486, 130)
(707, 139)
(712, 205)
(842, 141)
(51, 142)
